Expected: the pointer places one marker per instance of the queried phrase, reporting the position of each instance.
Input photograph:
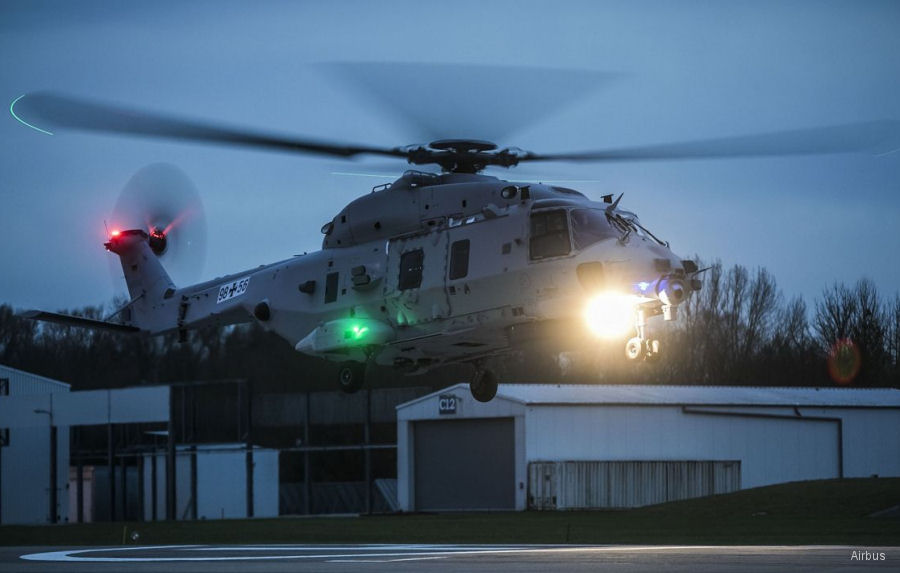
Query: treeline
(99, 359)
(738, 330)
(90, 359)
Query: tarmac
(446, 558)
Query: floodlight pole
(53, 500)
(79, 481)
(248, 405)
(170, 458)
(111, 469)
(367, 452)
(307, 471)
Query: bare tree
(834, 317)
(870, 332)
(760, 313)
(696, 343)
(857, 315)
(737, 287)
(893, 339)
(791, 331)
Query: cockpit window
(590, 226)
(549, 234)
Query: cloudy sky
(656, 72)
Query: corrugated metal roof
(700, 395)
(689, 395)
(24, 383)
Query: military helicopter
(433, 268)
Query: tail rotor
(161, 201)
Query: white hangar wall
(25, 460)
(634, 437)
(771, 450)
(871, 444)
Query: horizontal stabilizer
(78, 321)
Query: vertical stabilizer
(147, 280)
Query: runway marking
(385, 560)
(414, 552)
(382, 546)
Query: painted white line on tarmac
(368, 547)
(77, 555)
(386, 560)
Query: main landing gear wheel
(634, 348)
(484, 385)
(351, 376)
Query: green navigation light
(358, 331)
(22, 121)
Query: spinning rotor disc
(163, 202)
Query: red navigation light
(115, 233)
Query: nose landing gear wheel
(637, 348)
(484, 386)
(634, 348)
(351, 376)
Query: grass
(817, 512)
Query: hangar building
(193, 450)
(580, 446)
(50, 473)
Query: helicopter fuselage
(436, 269)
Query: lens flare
(610, 315)
(844, 361)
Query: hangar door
(464, 464)
(618, 484)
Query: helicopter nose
(672, 291)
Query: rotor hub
(462, 155)
(463, 145)
(157, 240)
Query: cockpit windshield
(550, 230)
(590, 226)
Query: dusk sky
(627, 73)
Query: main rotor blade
(442, 100)
(61, 111)
(878, 137)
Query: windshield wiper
(655, 238)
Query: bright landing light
(610, 315)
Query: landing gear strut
(484, 385)
(641, 347)
(351, 376)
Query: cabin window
(459, 259)
(411, 263)
(331, 287)
(549, 234)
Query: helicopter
(432, 268)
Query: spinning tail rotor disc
(163, 202)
